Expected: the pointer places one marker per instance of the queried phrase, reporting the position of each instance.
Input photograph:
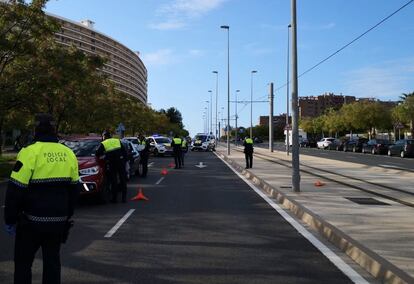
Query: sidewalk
(380, 238)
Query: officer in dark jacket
(248, 152)
(116, 157)
(40, 200)
(144, 154)
(176, 144)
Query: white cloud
(384, 81)
(159, 57)
(255, 48)
(196, 52)
(168, 25)
(179, 13)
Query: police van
(203, 142)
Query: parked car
(92, 170)
(403, 147)
(303, 142)
(324, 142)
(133, 165)
(335, 145)
(376, 146)
(354, 145)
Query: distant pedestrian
(184, 150)
(177, 150)
(144, 154)
(115, 156)
(248, 152)
(40, 201)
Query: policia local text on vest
(40, 200)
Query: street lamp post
(215, 72)
(207, 110)
(211, 111)
(287, 93)
(236, 116)
(228, 86)
(251, 104)
(295, 108)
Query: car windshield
(203, 138)
(162, 140)
(83, 148)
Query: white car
(203, 142)
(325, 142)
(160, 145)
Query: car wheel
(389, 153)
(402, 154)
(373, 151)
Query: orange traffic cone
(164, 171)
(139, 196)
(319, 183)
(171, 165)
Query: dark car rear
(376, 146)
(403, 148)
(354, 145)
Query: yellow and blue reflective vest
(43, 185)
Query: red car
(91, 169)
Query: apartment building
(124, 67)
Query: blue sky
(181, 43)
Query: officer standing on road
(177, 144)
(248, 152)
(184, 150)
(116, 157)
(40, 200)
(144, 153)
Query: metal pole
(287, 94)
(251, 104)
(211, 111)
(217, 125)
(235, 135)
(228, 86)
(295, 108)
(271, 118)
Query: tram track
(391, 193)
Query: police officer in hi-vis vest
(144, 154)
(248, 152)
(40, 201)
(176, 145)
(116, 157)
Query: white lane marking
(159, 181)
(388, 166)
(150, 164)
(336, 260)
(119, 224)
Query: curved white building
(124, 67)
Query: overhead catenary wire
(348, 44)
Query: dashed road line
(119, 224)
(159, 181)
